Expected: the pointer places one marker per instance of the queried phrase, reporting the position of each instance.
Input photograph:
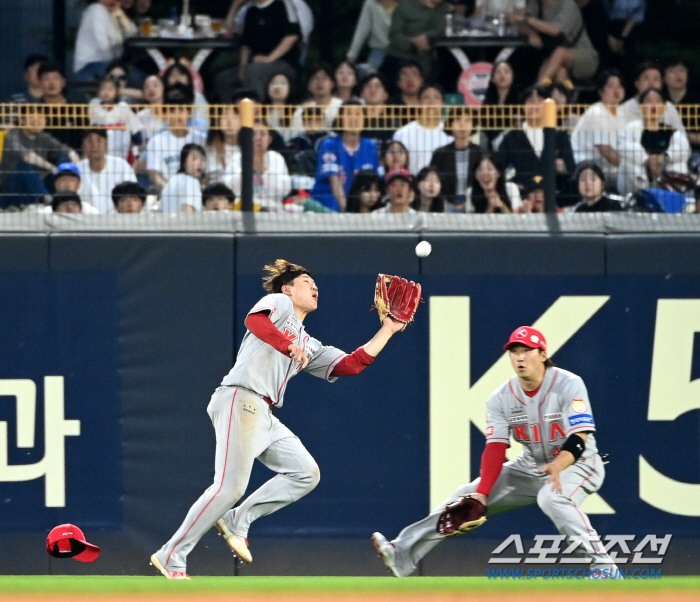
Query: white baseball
(423, 248)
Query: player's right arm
(497, 442)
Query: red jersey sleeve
(491, 464)
(263, 328)
(353, 364)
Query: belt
(264, 397)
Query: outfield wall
(113, 341)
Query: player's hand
(392, 325)
(298, 355)
(553, 471)
(481, 497)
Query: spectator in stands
(422, 136)
(304, 147)
(151, 118)
(394, 156)
(676, 83)
(62, 121)
(34, 91)
(217, 197)
(67, 178)
(410, 82)
(501, 92)
(183, 192)
(624, 16)
(30, 156)
(119, 72)
(163, 150)
(399, 186)
(522, 149)
(372, 29)
(591, 187)
(222, 143)
(124, 127)
(595, 137)
(490, 193)
(428, 188)
(414, 24)
(561, 94)
(346, 80)
(269, 43)
(649, 147)
(101, 34)
(66, 201)
(279, 97)
(455, 162)
(128, 197)
(270, 174)
(380, 124)
(100, 172)
(320, 86)
(533, 196)
(556, 27)
(648, 76)
(342, 156)
(365, 193)
(178, 73)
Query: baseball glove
(462, 516)
(397, 298)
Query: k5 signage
(632, 340)
(60, 449)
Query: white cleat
(387, 552)
(165, 572)
(238, 544)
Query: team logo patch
(535, 339)
(517, 419)
(521, 334)
(488, 416)
(489, 431)
(581, 419)
(329, 158)
(552, 417)
(579, 406)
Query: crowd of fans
(373, 136)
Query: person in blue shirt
(342, 156)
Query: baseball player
(274, 349)
(547, 410)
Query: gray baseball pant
(513, 489)
(245, 429)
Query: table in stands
(153, 46)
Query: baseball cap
(404, 174)
(68, 169)
(528, 336)
(68, 541)
(534, 183)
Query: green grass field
(67, 585)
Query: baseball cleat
(165, 572)
(387, 552)
(238, 544)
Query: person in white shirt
(649, 75)
(271, 180)
(649, 147)
(163, 150)
(151, 118)
(490, 193)
(400, 191)
(101, 34)
(320, 86)
(422, 136)
(183, 192)
(222, 143)
(595, 137)
(101, 172)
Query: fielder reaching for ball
(274, 349)
(547, 410)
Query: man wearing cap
(547, 410)
(399, 186)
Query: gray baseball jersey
(261, 368)
(541, 423)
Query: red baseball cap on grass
(528, 336)
(68, 541)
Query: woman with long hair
(278, 100)
(501, 93)
(365, 193)
(490, 193)
(183, 192)
(394, 156)
(428, 189)
(222, 142)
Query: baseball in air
(423, 248)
